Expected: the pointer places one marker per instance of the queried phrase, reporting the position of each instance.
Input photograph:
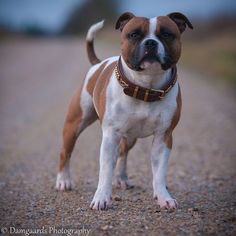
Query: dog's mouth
(148, 60)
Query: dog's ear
(180, 20)
(123, 20)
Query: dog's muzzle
(148, 52)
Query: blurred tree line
(89, 13)
(82, 16)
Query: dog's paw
(63, 182)
(122, 183)
(101, 201)
(166, 202)
(170, 203)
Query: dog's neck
(152, 78)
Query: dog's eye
(167, 35)
(134, 35)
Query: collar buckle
(162, 92)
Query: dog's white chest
(139, 119)
(142, 121)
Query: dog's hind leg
(120, 179)
(80, 115)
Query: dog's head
(147, 43)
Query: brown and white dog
(134, 95)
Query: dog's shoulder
(98, 71)
(96, 82)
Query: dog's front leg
(108, 156)
(159, 158)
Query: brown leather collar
(141, 93)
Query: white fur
(151, 35)
(87, 104)
(94, 68)
(63, 179)
(120, 179)
(159, 157)
(93, 30)
(108, 156)
(154, 77)
(152, 26)
(132, 118)
(110, 60)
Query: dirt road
(37, 79)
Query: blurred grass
(214, 55)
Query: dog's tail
(89, 41)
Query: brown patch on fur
(63, 160)
(128, 46)
(181, 21)
(125, 146)
(91, 53)
(166, 22)
(174, 47)
(101, 88)
(92, 81)
(71, 128)
(123, 20)
(174, 122)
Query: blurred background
(210, 47)
(43, 60)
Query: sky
(51, 15)
(197, 9)
(48, 14)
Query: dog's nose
(150, 43)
